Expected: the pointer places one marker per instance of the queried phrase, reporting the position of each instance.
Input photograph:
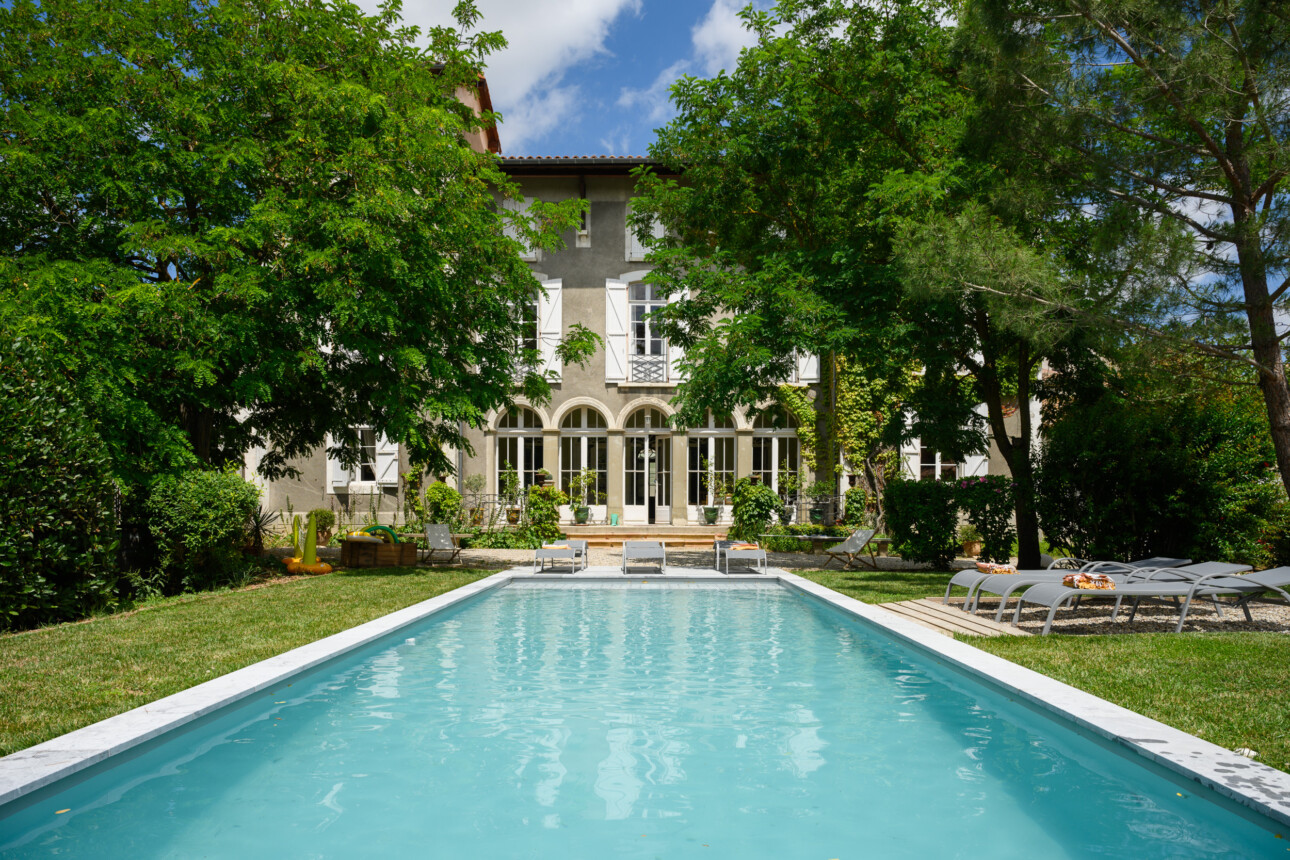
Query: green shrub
(58, 532)
(754, 505)
(199, 521)
(857, 507)
(543, 509)
(324, 519)
(443, 503)
(1132, 474)
(923, 521)
(988, 503)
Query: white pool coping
(1248, 783)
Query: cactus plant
(311, 542)
(295, 536)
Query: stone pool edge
(1258, 787)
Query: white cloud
(654, 100)
(715, 41)
(720, 36)
(544, 41)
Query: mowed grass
(881, 586)
(1228, 688)
(61, 678)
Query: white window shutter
(975, 465)
(338, 477)
(808, 368)
(387, 462)
(675, 353)
(526, 253)
(636, 251)
(615, 330)
(551, 327)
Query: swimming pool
(597, 720)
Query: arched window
(776, 449)
(711, 449)
(519, 446)
(647, 466)
(584, 444)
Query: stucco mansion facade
(612, 415)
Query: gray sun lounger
(575, 554)
(439, 539)
(972, 578)
(1006, 585)
(1210, 579)
(644, 551)
(756, 556)
(850, 549)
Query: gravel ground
(1095, 618)
(688, 557)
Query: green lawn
(881, 586)
(61, 678)
(1228, 688)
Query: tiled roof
(577, 164)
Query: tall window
(647, 466)
(519, 446)
(646, 350)
(529, 323)
(366, 454)
(776, 447)
(932, 467)
(711, 452)
(584, 445)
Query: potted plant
(820, 493)
(583, 494)
(543, 478)
(510, 494)
(790, 483)
(970, 538)
(714, 486)
(474, 487)
(324, 520)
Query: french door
(647, 479)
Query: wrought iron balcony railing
(647, 368)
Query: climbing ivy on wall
(863, 409)
(796, 401)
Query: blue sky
(590, 77)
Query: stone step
(675, 536)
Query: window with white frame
(711, 455)
(776, 448)
(529, 322)
(932, 466)
(584, 444)
(519, 446)
(647, 355)
(377, 465)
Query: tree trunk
(1267, 350)
(1015, 452)
(1023, 470)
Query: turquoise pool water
(604, 722)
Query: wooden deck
(949, 619)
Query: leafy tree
(57, 523)
(257, 222)
(1173, 116)
(834, 201)
(1162, 463)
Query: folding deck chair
(439, 539)
(849, 549)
